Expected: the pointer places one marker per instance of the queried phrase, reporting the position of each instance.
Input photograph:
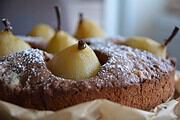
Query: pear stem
(81, 17)
(81, 45)
(170, 38)
(7, 25)
(58, 15)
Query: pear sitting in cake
(76, 62)
(42, 30)
(61, 39)
(9, 43)
(150, 45)
(88, 29)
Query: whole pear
(9, 43)
(76, 62)
(88, 29)
(150, 45)
(61, 39)
(147, 44)
(42, 30)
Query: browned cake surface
(127, 76)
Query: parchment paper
(96, 110)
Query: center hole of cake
(102, 57)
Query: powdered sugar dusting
(125, 66)
(15, 66)
(129, 65)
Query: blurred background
(151, 18)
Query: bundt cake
(127, 76)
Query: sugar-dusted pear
(76, 62)
(9, 43)
(150, 45)
(42, 30)
(88, 29)
(61, 39)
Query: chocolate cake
(127, 76)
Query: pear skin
(10, 44)
(60, 41)
(88, 29)
(150, 45)
(42, 30)
(147, 44)
(75, 63)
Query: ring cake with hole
(127, 76)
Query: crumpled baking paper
(95, 110)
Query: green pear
(61, 39)
(76, 62)
(150, 45)
(88, 29)
(42, 30)
(9, 43)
